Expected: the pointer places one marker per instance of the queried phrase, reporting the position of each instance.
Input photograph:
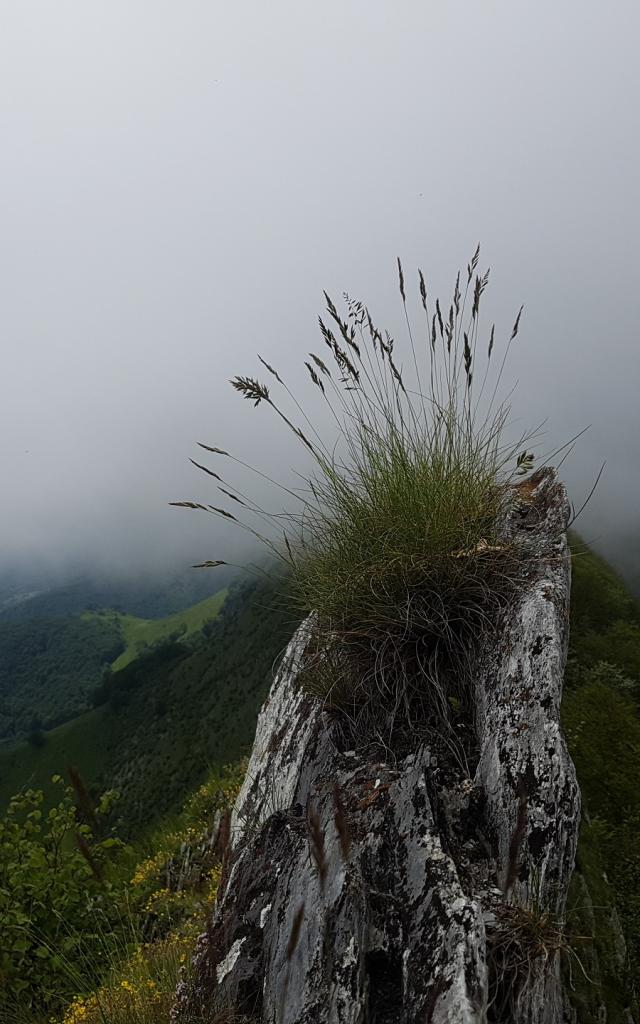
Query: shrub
(55, 898)
(394, 540)
(74, 916)
(175, 888)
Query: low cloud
(180, 184)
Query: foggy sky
(179, 182)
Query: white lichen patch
(226, 966)
(350, 958)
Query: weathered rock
(359, 891)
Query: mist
(181, 181)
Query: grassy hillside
(49, 668)
(168, 717)
(138, 634)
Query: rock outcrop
(409, 889)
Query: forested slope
(168, 717)
(48, 668)
(601, 715)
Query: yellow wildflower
(76, 1012)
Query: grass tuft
(524, 941)
(395, 538)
